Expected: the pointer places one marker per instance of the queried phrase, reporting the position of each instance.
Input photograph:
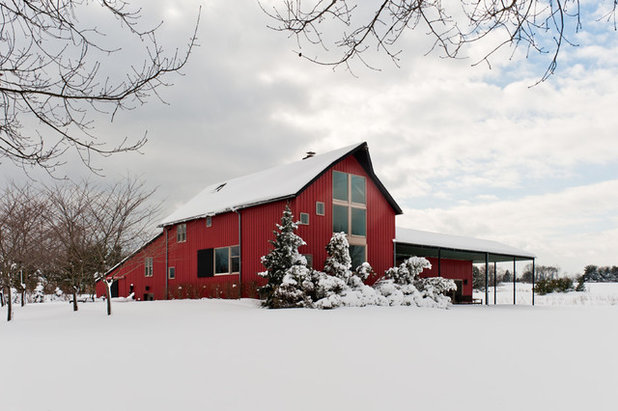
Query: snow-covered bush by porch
(403, 286)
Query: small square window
(319, 208)
(181, 233)
(171, 273)
(148, 267)
(304, 218)
(209, 221)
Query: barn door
(114, 289)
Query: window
(340, 186)
(357, 188)
(209, 221)
(357, 254)
(304, 218)
(222, 260)
(359, 222)
(235, 258)
(181, 233)
(319, 208)
(148, 267)
(340, 219)
(218, 261)
(350, 213)
(349, 208)
(171, 273)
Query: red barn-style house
(212, 245)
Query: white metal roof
(279, 182)
(426, 238)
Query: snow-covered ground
(595, 294)
(232, 355)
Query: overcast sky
(464, 150)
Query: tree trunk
(1, 298)
(9, 306)
(108, 293)
(74, 300)
(23, 297)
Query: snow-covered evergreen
(295, 289)
(38, 295)
(408, 271)
(292, 284)
(286, 269)
(403, 286)
(338, 263)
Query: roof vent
(309, 154)
(219, 187)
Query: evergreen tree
(507, 277)
(338, 263)
(282, 257)
(295, 289)
(408, 271)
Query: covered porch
(454, 257)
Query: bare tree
(71, 225)
(58, 72)
(538, 26)
(94, 228)
(123, 216)
(21, 231)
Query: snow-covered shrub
(581, 286)
(282, 257)
(547, 285)
(408, 271)
(435, 289)
(363, 271)
(295, 289)
(403, 286)
(338, 263)
(339, 285)
(328, 290)
(38, 295)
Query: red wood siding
(258, 224)
(132, 272)
(454, 270)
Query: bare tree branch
(56, 74)
(538, 26)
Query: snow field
(595, 294)
(233, 355)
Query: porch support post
(495, 281)
(439, 262)
(486, 279)
(514, 277)
(533, 274)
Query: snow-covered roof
(455, 242)
(277, 183)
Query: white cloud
(571, 228)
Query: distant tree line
(63, 238)
(595, 274)
(542, 273)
